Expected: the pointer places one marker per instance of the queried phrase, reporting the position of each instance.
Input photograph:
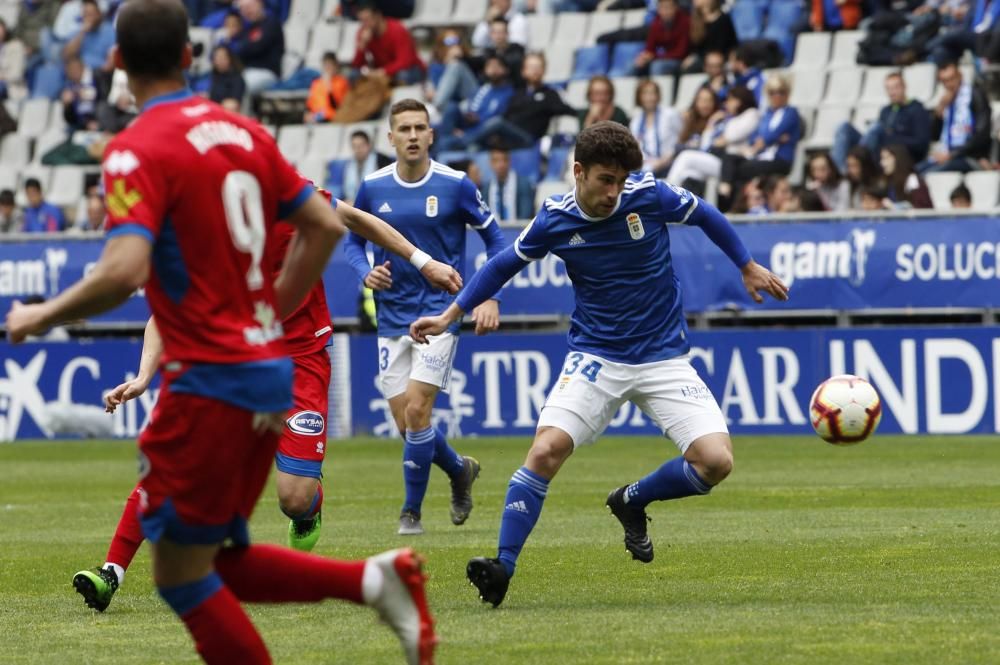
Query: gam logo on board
(306, 422)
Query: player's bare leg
(301, 499)
(522, 506)
(706, 462)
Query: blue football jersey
(628, 299)
(433, 214)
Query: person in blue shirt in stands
(93, 41)
(40, 216)
(491, 100)
(430, 204)
(628, 339)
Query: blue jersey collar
(176, 96)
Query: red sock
(128, 535)
(271, 574)
(223, 633)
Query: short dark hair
(91, 2)
(32, 183)
(947, 64)
(608, 143)
(152, 35)
(369, 5)
(960, 192)
(744, 54)
(6, 198)
(361, 134)
(408, 104)
(744, 96)
(330, 56)
(499, 19)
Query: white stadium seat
(66, 188)
(873, 90)
(469, 12)
(547, 189)
(326, 141)
(984, 187)
(293, 141)
(313, 168)
(812, 51)
(34, 118)
(601, 23)
(865, 115)
(940, 186)
(843, 87)
(845, 48)
(828, 119)
(303, 13)
(539, 31)
(15, 150)
(808, 88)
(921, 81)
(667, 86)
(687, 88)
(576, 94)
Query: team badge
(432, 206)
(635, 228)
(120, 199)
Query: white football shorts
(590, 390)
(400, 359)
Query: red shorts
(303, 441)
(202, 469)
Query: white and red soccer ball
(845, 410)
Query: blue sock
(525, 495)
(418, 451)
(445, 456)
(673, 480)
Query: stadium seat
(812, 51)
(828, 119)
(432, 13)
(293, 141)
(344, 47)
(549, 188)
(380, 138)
(556, 164)
(687, 87)
(406, 92)
(34, 118)
(623, 57)
(326, 141)
(783, 20)
(921, 80)
(46, 142)
(845, 48)
(940, 186)
(527, 163)
(57, 120)
(559, 62)
(843, 87)
(8, 176)
(313, 168)
(633, 18)
(865, 115)
(625, 93)
(324, 37)
(334, 182)
(601, 23)
(66, 188)
(297, 37)
(469, 12)
(808, 87)
(570, 28)
(983, 185)
(748, 19)
(873, 90)
(667, 85)
(15, 150)
(291, 62)
(540, 31)
(576, 94)
(565, 124)
(590, 61)
(303, 13)
(198, 35)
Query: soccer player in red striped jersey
(193, 193)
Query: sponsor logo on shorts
(437, 363)
(306, 422)
(696, 392)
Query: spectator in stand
(34, 17)
(711, 31)
(450, 76)
(727, 133)
(745, 74)
(963, 119)
(833, 15)
(365, 161)
(93, 40)
(39, 216)
(327, 92)
(509, 196)
(226, 86)
(967, 26)
(10, 217)
(386, 48)
(229, 33)
(904, 188)
(491, 100)
(803, 200)
(823, 177)
(259, 47)
(777, 192)
(697, 119)
(12, 64)
(601, 103)
(118, 110)
(904, 121)
(655, 127)
(517, 25)
(718, 81)
(873, 197)
(860, 169)
(79, 97)
(511, 53)
(91, 215)
(668, 42)
(528, 115)
(961, 198)
(772, 146)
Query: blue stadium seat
(527, 163)
(624, 56)
(482, 160)
(335, 177)
(590, 61)
(748, 18)
(784, 20)
(557, 163)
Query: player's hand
(124, 392)
(757, 278)
(380, 278)
(487, 317)
(426, 326)
(442, 276)
(24, 320)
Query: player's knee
(548, 453)
(715, 465)
(418, 415)
(296, 499)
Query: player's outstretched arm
(486, 282)
(757, 278)
(122, 268)
(375, 230)
(318, 231)
(152, 349)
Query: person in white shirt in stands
(727, 132)
(656, 128)
(517, 25)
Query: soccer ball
(845, 410)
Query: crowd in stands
(511, 83)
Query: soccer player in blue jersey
(430, 204)
(627, 339)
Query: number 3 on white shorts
(589, 371)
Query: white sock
(118, 570)
(371, 582)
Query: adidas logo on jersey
(385, 207)
(517, 506)
(577, 239)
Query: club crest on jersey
(120, 199)
(432, 206)
(306, 422)
(635, 228)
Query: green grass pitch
(888, 552)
